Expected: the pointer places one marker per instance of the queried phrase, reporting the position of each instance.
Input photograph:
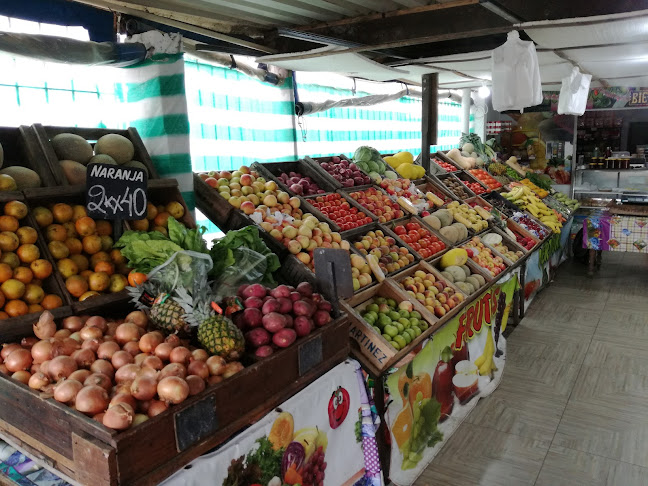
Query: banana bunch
(525, 198)
(542, 193)
(485, 362)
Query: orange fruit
(151, 211)
(104, 228)
(88, 294)
(85, 226)
(140, 225)
(106, 267)
(81, 262)
(58, 249)
(33, 308)
(3, 315)
(56, 232)
(51, 301)
(91, 244)
(28, 253)
(17, 209)
(86, 274)
(161, 229)
(15, 308)
(117, 283)
(43, 216)
(67, 267)
(27, 235)
(78, 212)
(74, 245)
(8, 241)
(23, 274)
(117, 257)
(10, 258)
(100, 256)
(136, 278)
(8, 223)
(175, 209)
(41, 269)
(162, 219)
(2, 300)
(12, 288)
(70, 229)
(99, 281)
(62, 212)
(76, 285)
(106, 243)
(33, 294)
(6, 272)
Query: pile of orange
(83, 250)
(157, 217)
(22, 270)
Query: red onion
(97, 379)
(139, 358)
(127, 332)
(45, 327)
(163, 351)
(35, 368)
(104, 367)
(198, 368)
(67, 390)
(199, 354)
(28, 342)
(98, 322)
(156, 407)
(173, 369)
(123, 398)
(180, 355)
(126, 373)
(22, 376)
(84, 358)
(3, 369)
(68, 346)
(41, 351)
(132, 347)
(138, 318)
(216, 365)
(19, 360)
(153, 362)
(149, 341)
(73, 323)
(80, 375)
(107, 349)
(92, 400)
(144, 388)
(62, 333)
(196, 384)
(121, 358)
(38, 380)
(143, 405)
(90, 333)
(99, 417)
(44, 367)
(121, 388)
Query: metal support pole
(465, 107)
(430, 116)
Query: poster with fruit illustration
(312, 439)
(432, 394)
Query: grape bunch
(314, 470)
(501, 308)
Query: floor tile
(477, 455)
(567, 467)
(618, 354)
(542, 343)
(580, 321)
(540, 377)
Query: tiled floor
(572, 408)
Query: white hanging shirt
(516, 75)
(573, 93)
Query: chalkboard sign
(116, 192)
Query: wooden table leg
(591, 264)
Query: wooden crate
(162, 192)
(372, 345)
(416, 219)
(21, 148)
(44, 134)
(352, 202)
(516, 228)
(272, 171)
(508, 243)
(212, 204)
(89, 453)
(316, 163)
(474, 268)
(453, 176)
(427, 184)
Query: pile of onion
(113, 371)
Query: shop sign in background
(432, 394)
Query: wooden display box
(349, 200)
(508, 243)
(416, 219)
(316, 163)
(516, 228)
(272, 171)
(21, 148)
(454, 177)
(44, 134)
(89, 453)
(427, 184)
(371, 343)
(211, 203)
(474, 268)
(162, 192)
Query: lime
(390, 330)
(402, 342)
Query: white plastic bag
(573, 93)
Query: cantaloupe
(102, 159)
(25, 178)
(465, 287)
(473, 281)
(118, 147)
(456, 256)
(450, 233)
(462, 231)
(433, 221)
(137, 164)
(481, 279)
(457, 273)
(466, 270)
(448, 276)
(75, 173)
(69, 146)
(444, 216)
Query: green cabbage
(366, 154)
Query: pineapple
(496, 168)
(167, 315)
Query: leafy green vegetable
(540, 181)
(224, 254)
(189, 239)
(238, 474)
(267, 459)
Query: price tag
(116, 192)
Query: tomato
(411, 226)
(400, 230)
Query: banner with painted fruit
(432, 394)
(316, 438)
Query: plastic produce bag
(250, 267)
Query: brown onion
(163, 351)
(123, 398)
(8, 348)
(107, 349)
(35, 368)
(138, 318)
(19, 360)
(104, 367)
(126, 373)
(28, 342)
(119, 417)
(132, 347)
(98, 322)
(173, 340)
(90, 333)
(3, 369)
(41, 351)
(62, 333)
(98, 379)
(99, 417)
(156, 407)
(216, 365)
(196, 384)
(180, 355)
(200, 354)
(67, 390)
(139, 418)
(84, 358)
(111, 327)
(149, 341)
(22, 376)
(148, 372)
(121, 388)
(173, 389)
(38, 380)
(144, 388)
(71, 345)
(80, 375)
(76, 336)
(45, 327)
(143, 405)
(139, 358)
(153, 362)
(92, 400)
(48, 391)
(107, 338)
(127, 332)
(84, 318)
(93, 343)
(173, 369)
(232, 368)
(72, 323)
(121, 358)
(198, 368)
(44, 367)
(214, 380)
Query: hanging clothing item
(516, 75)
(574, 93)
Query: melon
(466, 270)
(118, 147)
(433, 221)
(25, 178)
(445, 216)
(448, 276)
(450, 233)
(69, 146)
(480, 278)
(457, 273)
(473, 281)
(75, 173)
(137, 164)
(456, 256)
(462, 231)
(465, 287)
(102, 159)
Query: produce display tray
(416, 219)
(44, 134)
(272, 171)
(453, 176)
(352, 202)
(211, 204)
(164, 191)
(21, 148)
(316, 164)
(89, 453)
(475, 269)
